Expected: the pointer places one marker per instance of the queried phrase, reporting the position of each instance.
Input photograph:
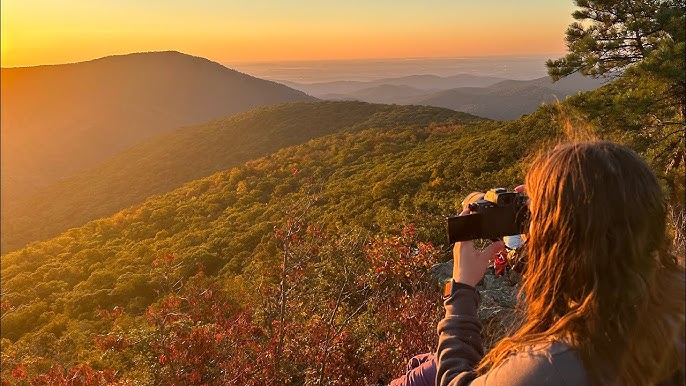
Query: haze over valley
(496, 87)
(518, 67)
(488, 97)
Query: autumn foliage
(343, 311)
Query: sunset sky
(48, 31)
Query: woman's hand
(469, 265)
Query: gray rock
(442, 272)
(499, 297)
(498, 312)
(495, 282)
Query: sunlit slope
(374, 179)
(61, 119)
(169, 160)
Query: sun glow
(48, 32)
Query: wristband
(451, 286)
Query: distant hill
(61, 119)
(509, 99)
(492, 98)
(169, 160)
(570, 84)
(422, 82)
(495, 103)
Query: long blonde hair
(599, 276)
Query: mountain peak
(80, 113)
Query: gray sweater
(460, 349)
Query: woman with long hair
(602, 297)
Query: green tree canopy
(643, 38)
(611, 35)
(642, 44)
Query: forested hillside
(169, 160)
(61, 119)
(320, 204)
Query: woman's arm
(459, 334)
(459, 338)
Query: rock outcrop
(498, 311)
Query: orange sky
(48, 31)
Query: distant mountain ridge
(423, 82)
(168, 160)
(489, 97)
(60, 119)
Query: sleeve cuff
(464, 300)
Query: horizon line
(401, 58)
(264, 61)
